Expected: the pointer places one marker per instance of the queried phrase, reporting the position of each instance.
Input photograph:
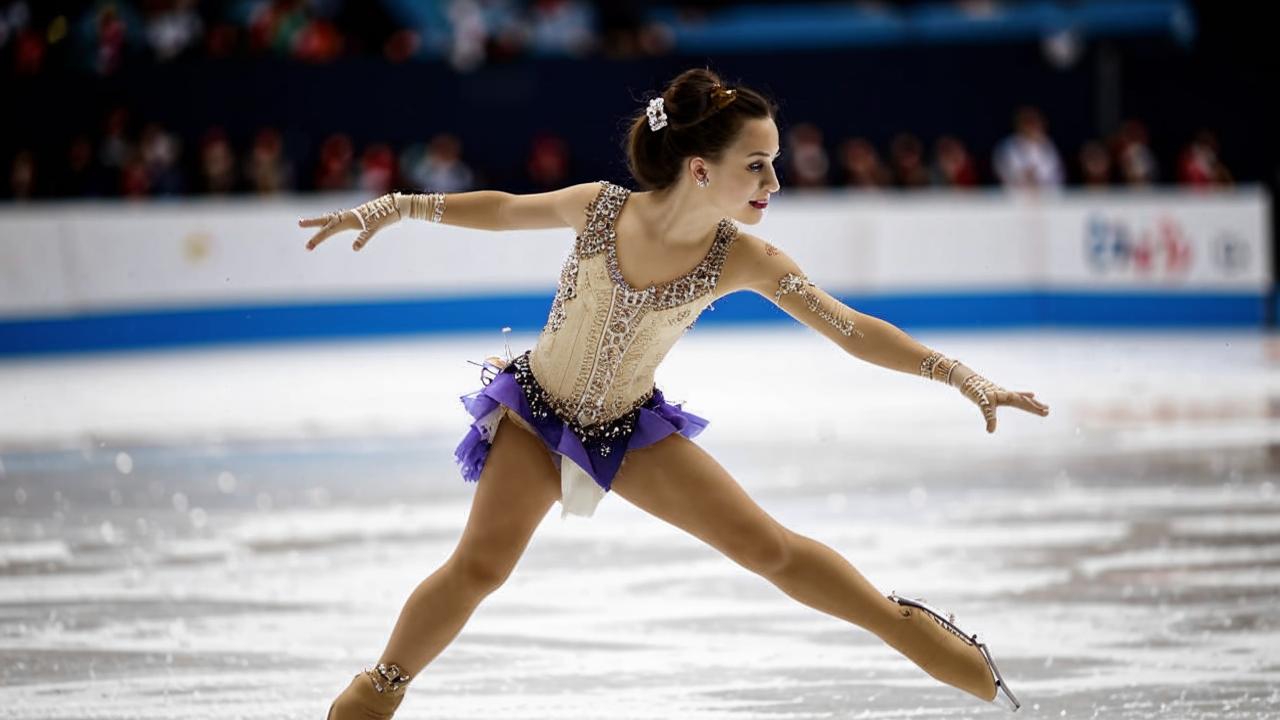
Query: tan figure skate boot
(371, 695)
(934, 642)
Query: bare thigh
(677, 481)
(516, 487)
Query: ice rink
(230, 533)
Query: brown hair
(704, 115)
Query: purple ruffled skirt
(590, 471)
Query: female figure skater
(586, 416)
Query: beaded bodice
(603, 339)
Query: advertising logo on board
(1115, 246)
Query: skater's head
(715, 130)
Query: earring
(704, 181)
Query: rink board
(94, 275)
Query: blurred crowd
(126, 158)
(1026, 158)
(154, 161)
(104, 37)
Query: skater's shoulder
(754, 263)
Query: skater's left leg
(679, 482)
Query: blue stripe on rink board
(120, 330)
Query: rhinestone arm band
(799, 283)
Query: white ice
(231, 533)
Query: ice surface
(231, 533)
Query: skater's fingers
(336, 221)
(989, 414)
(1027, 402)
(362, 239)
(320, 237)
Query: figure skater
(586, 417)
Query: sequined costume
(587, 386)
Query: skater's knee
(765, 551)
(480, 573)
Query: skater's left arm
(771, 273)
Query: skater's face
(743, 181)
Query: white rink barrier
(97, 274)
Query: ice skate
(943, 650)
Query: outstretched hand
(368, 218)
(330, 223)
(988, 396)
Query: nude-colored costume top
(603, 339)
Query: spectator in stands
(22, 175)
(15, 15)
(318, 41)
(806, 159)
(953, 166)
(217, 163)
(1095, 165)
(1133, 156)
(1200, 164)
(174, 29)
(133, 181)
(273, 25)
(548, 163)
(334, 169)
(159, 151)
(377, 170)
(861, 164)
(906, 155)
(268, 169)
(562, 26)
(469, 35)
(440, 167)
(80, 176)
(28, 42)
(1028, 158)
(116, 146)
(110, 34)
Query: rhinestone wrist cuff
(426, 206)
(388, 678)
(938, 367)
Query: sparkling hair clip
(657, 116)
(722, 95)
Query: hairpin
(657, 116)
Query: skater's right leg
(517, 486)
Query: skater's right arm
(477, 209)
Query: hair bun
(700, 116)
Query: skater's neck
(676, 218)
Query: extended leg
(518, 485)
(679, 482)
